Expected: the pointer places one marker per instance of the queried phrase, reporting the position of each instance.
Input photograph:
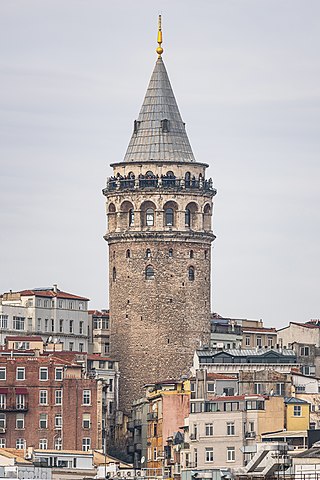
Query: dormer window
(136, 126)
(165, 125)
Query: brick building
(46, 402)
(159, 209)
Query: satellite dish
(143, 459)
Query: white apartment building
(58, 317)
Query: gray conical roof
(150, 140)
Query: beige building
(223, 432)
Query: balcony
(152, 416)
(21, 407)
(156, 182)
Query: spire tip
(159, 50)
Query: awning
(21, 391)
(4, 390)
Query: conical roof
(159, 133)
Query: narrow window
(148, 253)
(149, 217)
(169, 217)
(128, 253)
(188, 217)
(149, 272)
(191, 254)
(191, 274)
(170, 252)
(165, 125)
(114, 274)
(131, 217)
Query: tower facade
(159, 211)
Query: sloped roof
(151, 142)
(294, 400)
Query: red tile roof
(259, 329)
(98, 313)
(51, 293)
(34, 338)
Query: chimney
(55, 287)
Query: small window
(209, 454)
(2, 373)
(149, 217)
(191, 254)
(297, 410)
(304, 351)
(86, 420)
(209, 429)
(43, 444)
(43, 373)
(131, 217)
(148, 253)
(206, 254)
(59, 373)
(43, 397)
(230, 428)
(114, 274)
(169, 217)
(20, 443)
(20, 373)
(170, 252)
(86, 397)
(128, 253)
(191, 274)
(43, 420)
(231, 454)
(188, 217)
(58, 421)
(86, 444)
(58, 397)
(165, 125)
(149, 272)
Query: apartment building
(47, 401)
(99, 331)
(56, 316)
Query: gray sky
(245, 73)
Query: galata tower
(159, 210)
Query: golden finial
(159, 50)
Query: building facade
(58, 317)
(159, 209)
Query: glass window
(18, 323)
(43, 420)
(43, 373)
(169, 217)
(58, 420)
(58, 443)
(58, 397)
(86, 398)
(70, 326)
(297, 410)
(280, 388)
(20, 401)
(43, 397)
(20, 443)
(2, 420)
(86, 443)
(20, 421)
(3, 401)
(60, 303)
(191, 254)
(188, 217)
(61, 325)
(230, 428)
(131, 217)
(209, 454)
(86, 421)
(209, 429)
(3, 321)
(211, 387)
(231, 454)
(71, 346)
(247, 340)
(2, 443)
(149, 217)
(81, 327)
(148, 253)
(114, 274)
(149, 272)
(2, 373)
(128, 253)
(43, 444)
(191, 274)
(259, 341)
(170, 252)
(257, 388)
(20, 373)
(304, 351)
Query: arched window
(169, 217)
(191, 254)
(114, 274)
(131, 217)
(149, 217)
(148, 253)
(128, 253)
(206, 254)
(170, 174)
(170, 252)
(188, 217)
(191, 273)
(149, 272)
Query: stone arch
(126, 214)
(148, 214)
(112, 217)
(207, 217)
(170, 210)
(187, 179)
(192, 215)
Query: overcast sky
(73, 74)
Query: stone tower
(159, 209)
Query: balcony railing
(20, 407)
(119, 183)
(152, 416)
